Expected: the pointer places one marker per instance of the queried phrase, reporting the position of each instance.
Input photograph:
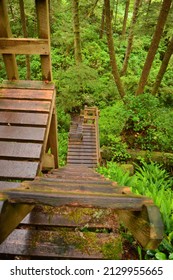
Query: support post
(42, 9)
(5, 32)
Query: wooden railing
(91, 115)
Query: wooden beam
(5, 31)
(146, 225)
(42, 10)
(10, 216)
(24, 46)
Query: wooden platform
(26, 110)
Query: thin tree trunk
(154, 45)
(116, 12)
(125, 17)
(76, 30)
(93, 8)
(102, 23)
(25, 33)
(130, 38)
(110, 41)
(163, 66)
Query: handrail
(91, 115)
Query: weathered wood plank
(27, 84)
(24, 46)
(4, 185)
(10, 216)
(41, 195)
(50, 184)
(146, 225)
(18, 169)
(29, 94)
(22, 133)
(20, 150)
(24, 105)
(19, 118)
(56, 244)
(70, 217)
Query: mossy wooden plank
(12, 169)
(53, 197)
(10, 216)
(146, 225)
(29, 94)
(62, 244)
(70, 217)
(23, 118)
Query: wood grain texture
(27, 84)
(146, 225)
(18, 133)
(54, 244)
(23, 118)
(24, 105)
(24, 46)
(10, 216)
(29, 94)
(20, 150)
(18, 169)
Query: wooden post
(53, 139)
(5, 32)
(42, 9)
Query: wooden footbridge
(44, 208)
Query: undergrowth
(153, 181)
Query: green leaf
(160, 256)
(171, 256)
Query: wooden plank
(70, 217)
(20, 150)
(22, 133)
(29, 94)
(19, 118)
(18, 169)
(5, 31)
(28, 84)
(24, 46)
(24, 105)
(57, 244)
(10, 216)
(146, 225)
(41, 195)
(4, 185)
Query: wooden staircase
(83, 146)
(76, 211)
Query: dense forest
(116, 55)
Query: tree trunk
(25, 33)
(110, 41)
(130, 38)
(76, 30)
(154, 45)
(163, 66)
(125, 17)
(102, 23)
